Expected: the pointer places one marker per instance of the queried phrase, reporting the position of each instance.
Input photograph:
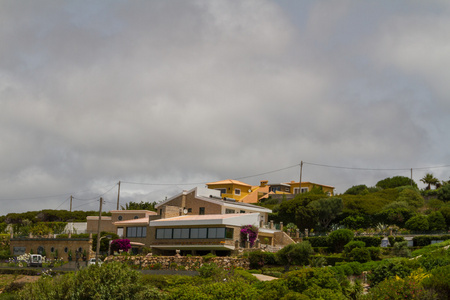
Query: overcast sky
(189, 92)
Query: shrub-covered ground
(424, 277)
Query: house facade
(202, 201)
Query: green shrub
(300, 281)
(375, 253)
(352, 245)
(370, 241)
(297, 254)
(361, 255)
(401, 249)
(417, 223)
(109, 281)
(317, 241)
(393, 288)
(389, 269)
(339, 238)
(422, 240)
(333, 259)
(439, 281)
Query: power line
(269, 172)
(376, 169)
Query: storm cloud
(167, 95)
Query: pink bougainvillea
(251, 232)
(122, 244)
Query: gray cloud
(191, 92)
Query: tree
(140, 206)
(295, 253)
(429, 180)
(339, 238)
(395, 181)
(357, 190)
(327, 209)
(411, 196)
(444, 193)
(417, 223)
(436, 221)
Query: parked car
(92, 261)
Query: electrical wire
(376, 169)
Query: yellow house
(309, 186)
(231, 188)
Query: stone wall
(189, 263)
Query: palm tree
(430, 180)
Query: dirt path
(262, 277)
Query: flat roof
(226, 219)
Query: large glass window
(137, 231)
(195, 233)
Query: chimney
(263, 183)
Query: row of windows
(137, 232)
(194, 233)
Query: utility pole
(71, 203)
(300, 182)
(98, 231)
(118, 196)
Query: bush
(401, 249)
(439, 281)
(294, 254)
(300, 281)
(389, 269)
(422, 240)
(333, 259)
(417, 223)
(361, 255)
(109, 281)
(375, 253)
(318, 241)
(352, 245)
(397, 288)
(339, 238)
(371, 241)
(436, 221)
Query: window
(136, 217)
(138, 232)
(40, 250)
(181, 233)
(120, 218)
(222, 191)
(189, 210)
(120, 232)
(229, 233)
(66, 249)
(195, 233)
(201, 211)
(242, 211)
(237, 191)
(52, 249)
(229, 211)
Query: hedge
(371, 241)
(425, 240)
(318, 241)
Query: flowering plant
(121, 244)
(251, 232)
